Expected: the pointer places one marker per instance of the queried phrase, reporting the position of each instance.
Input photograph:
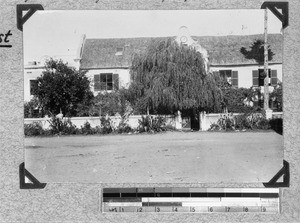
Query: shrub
(62, 126)
(106, 126)
(33, 129)
(87, 129)
(214, 127)
(123, 126)
(31, 109)
(276, 97)
(226, 122)
(263, 123)
(152, 124)
(111, 103)
(242, 122)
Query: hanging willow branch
(172, 76)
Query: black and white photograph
(153, 96)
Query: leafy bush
(31, 109)
(87, 129)
(152, 124)
(242, 122)
(109, 103)
(226, 122)
(62, 126)
(214, 127)
(123, 126)
(33, 129)
(276, 97)
(263, 123)
(106, 126)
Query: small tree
(256, 52)
(168, 77)
(62, 88)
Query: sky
(57, 33)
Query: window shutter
(97, 82)
(235, 78)
(115, 81)
(255, 77)
(102, 82)
(273, 77)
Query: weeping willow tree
(168, 77)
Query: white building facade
(107, 61)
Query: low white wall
(207, 119)
(133, 121)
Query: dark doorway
(195, 124)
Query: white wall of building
(245, 73)
(124, 76)
(30, 73)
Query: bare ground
(172, 157)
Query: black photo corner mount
(30, 8)
(25, 173)
(283, 16)
(285, 172)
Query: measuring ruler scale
(191, 200)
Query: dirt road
(172, 157)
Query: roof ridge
(154, 37)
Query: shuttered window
(273, 77)
(230, 76)
(116, 81)
(235, 79)
(106, 82)
(259, 80)
(97, 82)
(255, 78)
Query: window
(230, 76)
(33, 85)
(258, 77)
(106, 82)
(119, 51)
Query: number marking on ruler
(191, 200)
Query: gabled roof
(222, 50)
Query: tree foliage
(239, 100)
(168, 77)
(31, 109)
(110, 103)
(62, 88)
(256, 52)
(276, 96)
